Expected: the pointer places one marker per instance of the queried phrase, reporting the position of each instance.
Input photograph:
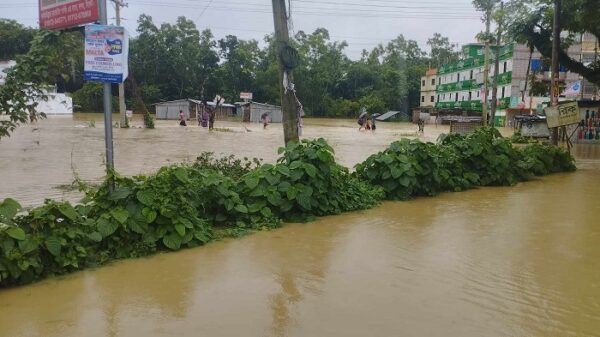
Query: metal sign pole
(108, 136)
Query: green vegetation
(185, 206)
(410, 168)
(196, 65)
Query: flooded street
(39, 161)
(510, 261)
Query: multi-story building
(460, 84)
(589, 55)
(428, 90)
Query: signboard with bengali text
(563, 114)
(60, 14)
(246, 95)
(106, 54)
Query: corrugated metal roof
(211, 103)
(387, 115)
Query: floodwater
(40, 161)
(510, 261)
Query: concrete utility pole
(555, 65)
(108, 136)
(288, 99)
(486, 66)
(122, 107)
(496, 69)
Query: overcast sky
(362, 23)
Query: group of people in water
(205, 119)
(364, 123)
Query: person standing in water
(373, 126)
(265, 120)
(182, 118)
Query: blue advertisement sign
(106, 54)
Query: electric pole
(288, 98)
(555, 65)
(122, 107)
(496, 68)
(486, 66)
(108, 136)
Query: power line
(204, 10)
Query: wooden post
(288, 100)
(555, 65)
(496, 71)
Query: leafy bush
(410, 168)
(228, 166)
(188, 205)
(306, 182)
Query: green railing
(506, 52)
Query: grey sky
(363, 24)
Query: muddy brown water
(515, 261)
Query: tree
(533, 23)
(14, 39)
(442, 50)
(25, 82)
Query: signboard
(535, 129)
(106, 54)
(564, 114)
(59, 14)
(246, 95)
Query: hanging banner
(59, 14)
(563, 114)
(106, 54)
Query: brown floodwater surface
(510, 261)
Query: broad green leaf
(149, 214)
(180, 229)
(253, 208)
(311, 170)
(95, 236)
(9, 208)
(295, 164)
(145, 197)
(172, 241)
(68, 211)
(251, 182)
(27, 246)
(181, 175)
(404, 181)
(120, 193)
(16, 233)
(53, 246)
(274, 198)
(266, 212)
(241, 208)
(304, 201)
(106, 227)
(284, 186)
(202, 237)
(120, 215)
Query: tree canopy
(531, 22)
(177, 60)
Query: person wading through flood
(373, 126)
(212, 112)
(203, 121)
(182, 118)
(265, 119)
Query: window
(433, 81)
(471, 76)
(422, 98)
(438, 98)
(458, 77)
(456, 97)
(439, 80)
(470, 97)
(432, 99)
(462, 98)
(503, 91)
(422, 83)
(477, 93)
(504, 67)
